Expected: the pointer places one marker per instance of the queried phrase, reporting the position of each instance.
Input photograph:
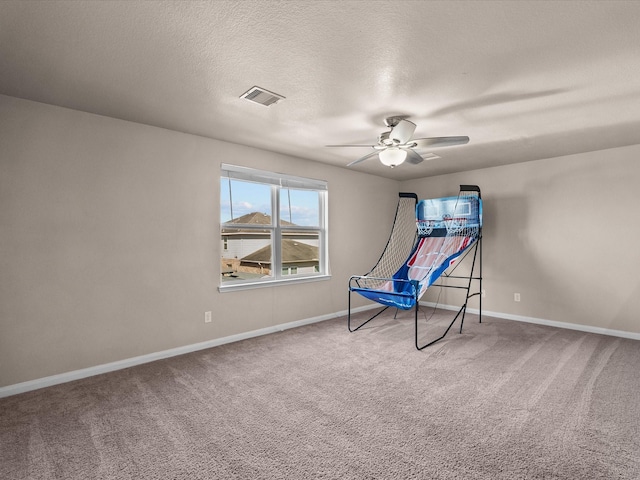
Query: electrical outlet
(483, 293)
(516, 297)
(207, 317)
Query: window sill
(271, 283)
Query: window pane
(271, 228)
(299, 207)
(244, 202)
(245, 254)
(300, 253)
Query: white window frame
(278, 181)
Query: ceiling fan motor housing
(384, 139)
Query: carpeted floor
(503, 400)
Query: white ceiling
(524, 80)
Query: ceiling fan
(396, 145)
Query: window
(272, 228)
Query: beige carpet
(504, 400)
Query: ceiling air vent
(261, 96)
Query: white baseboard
(542, 321)
(151, 357)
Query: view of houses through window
(272, 226)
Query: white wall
(110, 246)
(562, 232)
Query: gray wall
(109, 240)
(562, 232)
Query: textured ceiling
(524, 80)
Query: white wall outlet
(516, 297)
(207, 317)
(483, 293)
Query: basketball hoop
(425, 227)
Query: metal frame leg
(463, 308)
(362, 324)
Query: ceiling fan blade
(413, 157)
(362, 159)
(370, 146)
(439, 141)
(402, 131)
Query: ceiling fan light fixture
(392, 157)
